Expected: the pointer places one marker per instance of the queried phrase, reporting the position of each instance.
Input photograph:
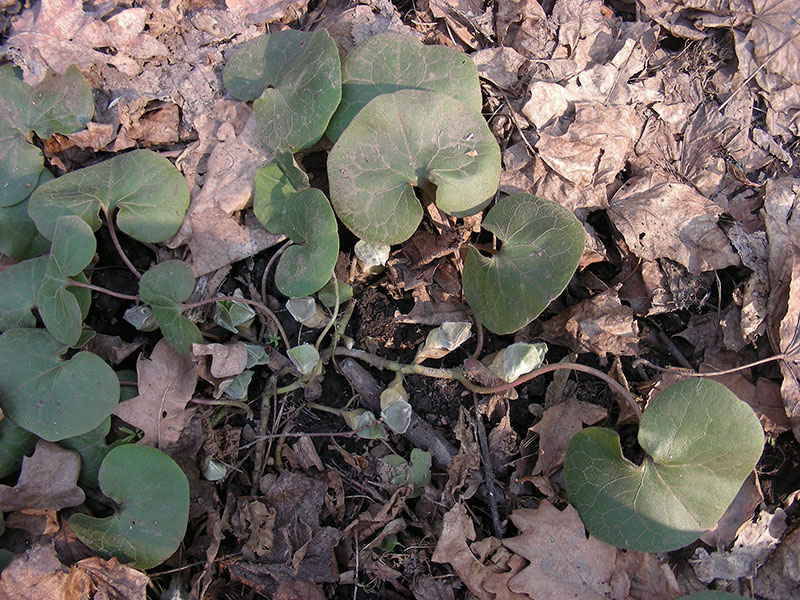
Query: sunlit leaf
(49, 396)
(408, 139)
(152, 494)
(389, 62)
(19, 238)
(294, 78)
(148, 193)
(701, 442)
(542, 246)
(273, 184)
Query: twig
(488, 474)
(261, 446)
(113, 233)
(686, 373)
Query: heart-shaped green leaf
(389, 62)
(701, 442)
(72, 250)
(309, 222)
(164, 287)
(93, 449)
(149, 194)
(60, 103)
(295, 79)
(15, 442)
(48, 396)
(273, 184)
(19, 238)
(21, 284)
(406, 139)
(542, 246)
(153, 498)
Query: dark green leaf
(19, 238)
(389, 62)
(15, 442)
(153, 498)
(148, 193)
(701, 442)
(164, 287)
(48, 396)
(273, 184)
(542, 246)
(294, 78)
(309, 222)
(93, 449)
(406, 139)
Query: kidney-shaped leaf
(309, 222)
(296, 80)
(273, 184)
(150, 195)
(60, 103)
(389, 62)
(164, 287)
(15, 442)
(72, 250)
(542, 245)
(405, 139)
(153, 498)
(701, 442)
(19, 238)
(51, 397)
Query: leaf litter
(673, 138)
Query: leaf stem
(113, 233)
(334, 315)
(254, 303)
(102, 290)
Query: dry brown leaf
(564, 563)
(556, 428)
(35, 522)
(265, 11)
(779, 578)
(790, 347)
(211, 229)
(48, 480)
(112, 348)
(499, 65)
(227, 360)
(166, 382)
(775, 34)
(37, 574)
(601, 325)
(58, 33)
(671, 220)
(646, 577)
(113, 581)
(453, 548)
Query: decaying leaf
(774, 35)
(48, 480)
(556, 428)
(564, 563)
(166, 382)
(790, 346)
(37, 574)
(227, 360)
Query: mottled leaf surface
(72, 250)
(701, 442)
(307, 266)
(542, 246)
(407, 139)
(164, 287)
(149, 194)
(294, 78)
(60, 103)
(273, 184)
(153, 498)
(49, 396)
(389, 62)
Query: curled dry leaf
(48, 480)
(166, 382)
(227, 360)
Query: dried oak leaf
(112, 581)
(645, 576)
(556, 428)
(564, 563)
(227, 360)
(166, 383)
(774, 33)
(453, 548)
(37, 574)
(790, 347)
(671, 220)
(48, 480)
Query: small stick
(488, 474)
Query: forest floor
(673, 133)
